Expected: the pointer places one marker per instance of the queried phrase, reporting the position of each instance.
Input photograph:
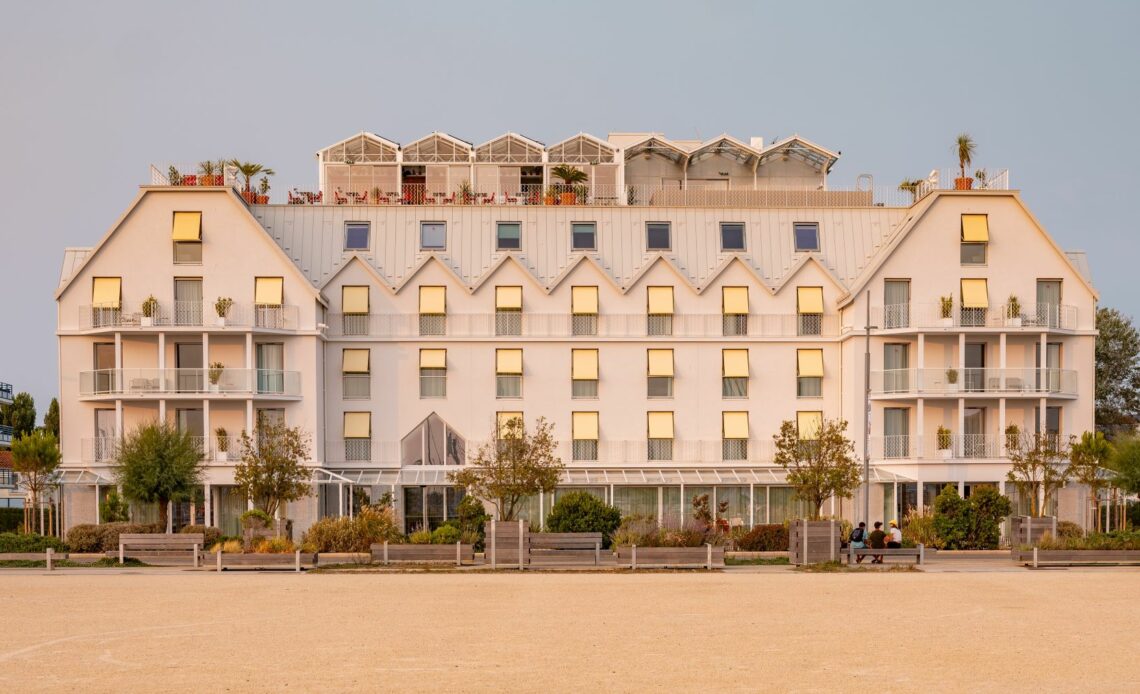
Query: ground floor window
(426, 508)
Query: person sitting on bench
(859, 540)
(877, 540)
(895, 541)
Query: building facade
(665, 313)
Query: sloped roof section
(1080, 261)
(73, 259)
(364, 148)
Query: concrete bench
(566, 548)
(918, 552)
(155, 542)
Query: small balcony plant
(964, 147)
(943, 441)
(466, 194)
(946, 310)
(215, 375)
(1013, 312)
(223, 443)
(222, 308)
(173, 177)
(248, 171)
(952, 380)
(1012, 437)
(262, 197)
(149, 310)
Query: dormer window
(187, 237)
(806, 236)
(356, 236)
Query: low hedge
(11, 519)
(1128, 540)
(105, 538)
(29, 542)
(764, 538)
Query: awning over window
(735, 425)
(584, 365)
(433, 358)
(735, 300)
(355, 361)
(508, 298)
(660, 425)
(503, 419)
(584, 301)
(809, 299)
(661, 301)
(585, 426)
(354, 299)
(508, 362)
(107, 292)
(975, 294)
(433, 300)
(975, 228)
(660, 362)
(735, 363)
(810, 363)
(187, 226)
(808, 424)
(268, 291)
(357, 425)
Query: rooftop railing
(201, 174)
(974, 381)
(188, 314)
(1034, 317)
(164, 382)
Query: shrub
(210, 534)
(973, 523)
(275, 545)
(230, 546)
(85, 538)
(582, 512)
(105, 537)
(357, 534)
(445, 535)
(420, 537)
(29, 542)
(256, 518)
(645, 531)
(11, 519)
(472, 519)
(1069, 529)
(1129, 540)
(764, 538)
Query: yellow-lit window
(660, 310)
(734, 303)
(433, 373)
(660, 436)
(508, 373)
(808, 424)
(585, 435)
(355, 374)
(584, 373)
(809, 309)
(433, 310)
(734, 373)
(584, 310)
(734, 431)
(508, 310)
(660, 373)
(809, 373)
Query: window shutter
(808, 424)
(660, 425)
(735, 363)
(508, 298)
(585, 426)
(584, 301)
(107, 292)
(661, 301)
(433, 300)
(508, 362)
(810, 299)
(187, 226)
(584, 364)
(660, 362)
(354, 299)
(503, 418)
(355, 361)
(975, 294)
(357, 425)
(810, 362)
(267, 291)
(433, 358)
(735, 300)
(975, 228)
(735, 425)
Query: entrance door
(270, 368)
(975, 376)
(896, 367)
(106, 435)
(188, 302)
(104, 362)
(974, 436)
(188, 360)
(1049, 303)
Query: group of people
(876, 539)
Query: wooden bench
(386, 553)
(155, 542)
(566, 549)
(918, 552)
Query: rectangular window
(896, 432)
(731, 236)
(433, 310)
(357, 436)
(975, 302)
(975, 238)
(973, 254)
(734, 373)
(187, 253)
(584, 310)
(1048, 313)
(433, 373)
(657, 236)
(583, 236)
(433, 236)
(585, 435)
(356, 236)
(268, 297)
(734, 441)
(896, 304)
(660, 439)
(356, 374)
(809, 307)
(584, 373)
(508, 236)
(660, 373)
(809, 373)
(187, 301)
(106, 301)
(354, 303)
(660, 310)
(734, 304)
(187, 237)
(508, 310)
(508, 373)
(806, 236)
(808, 424)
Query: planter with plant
(466, 194)
(223, 437)
(946, 311)
(964, 147)
(943, 441)
(952, 380)
(572, 180)
(222, 308)
(1012, 437)
(215, 375)
(262, 197)
(1013, 312)
(209, 173)
(550, 196)
(248, 171)
(981, 177)
(149, 311)
(173, 177)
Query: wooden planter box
(1076, 556)
(288, 560)
(670, 557)
(457, 553)
(30, 556)
(1027, 530)
(814, 542)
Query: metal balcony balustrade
(971, 381)
(957, 446)
(174, 382)
(188, 314)
(1029, 317)
(5, 434)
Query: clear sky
(92, 92)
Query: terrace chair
(511, 199)
(449, 200)
(489, 200)
(339, 198)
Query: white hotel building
(666, 315)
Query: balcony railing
(562, 325)
(103, 449)
(189, 314)
(5, 393)
(947, 179)
(185, 175)
(927, 447)
(159, 382)
(1035, 317)
(5, 435)
(952, 381)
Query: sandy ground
(179, 631)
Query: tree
(514, 465)
(35, 457)
(821, 467)
(249, 170)
(51, 418)
(1088, 457)
(1125, 466)
(1117, 373)
(964, 147)
(582, 512)
(158, 464)
(973, 523)
(113, 509)
(272, 470)
(1038, 467)
(20, 415)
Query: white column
(98, 516)
(118, 350)
(119, 418)
(249, 416)
(208, 438)
(162, 361)
(962, 354)
(1041, 414)
(920, 425)
(961, 424)
(961, 488)
(1001, 427)
(249, 351)
(751, 504)
(920, 358)
(209, 494)
(1001, 361)
(162, 411)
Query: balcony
(562, 325)
(1028, 317)
(167, 383)
(104, 449)
(5, 435)
(962, 447)
(5, 393)
(188, 314)
(1027, 382)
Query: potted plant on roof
(248, 171)
(466, 195)
(964, 146)
(910, 185)
(215, 375)
(981, 177)
(1013, 312)
(946, 311)
(223, 444)
(222, 307)
(943, 441)
(149, 310)
(173, 177)
(208, 174)
(262, 197)
(570, 176)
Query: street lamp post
(867, 414)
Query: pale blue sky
(92, 92)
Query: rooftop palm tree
(569, 174)
(249, 170)
(964, 147)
